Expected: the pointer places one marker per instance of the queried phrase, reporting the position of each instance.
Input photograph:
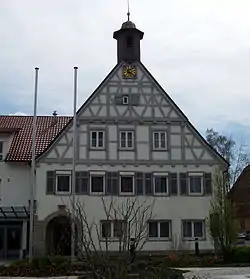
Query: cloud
(19, 113)
(197, 50)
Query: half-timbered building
(133, 141)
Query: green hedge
(241, 255)
(45, 267)
(41, 267)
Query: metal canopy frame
(14, 212)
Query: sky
(198, 50)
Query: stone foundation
(39, 238)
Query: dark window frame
(98, 138)
(193, 235)
(97, 174)
(161, 175)
(130, 41)
(195, 176)
(157, 143)
(113, 235)
(124, 142)
(130, 175)
(159, 237)
(63, 174)
(125, 98)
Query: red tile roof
(48, 128)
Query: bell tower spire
(128, 13)
(128, 41)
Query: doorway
(10, 240)
(58, 236)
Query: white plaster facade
(174, 208)
(14, 177)
(149, 109)
(186, 152)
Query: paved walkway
(218, 273)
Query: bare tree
(123, 230)
(235, 153)
(242, 159)
(222, 225)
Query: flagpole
(73, 238)
(33, 170)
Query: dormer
(6, 137)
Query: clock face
(129, 71)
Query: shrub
(241, 255)
(38, 267)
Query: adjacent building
(240, 195)
(133, 142)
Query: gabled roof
(48, 128)
(86, 103)
(191, 126)
(242, 180)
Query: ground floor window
(193, 229)
(63, 182)
(159, 229)
(113, 228)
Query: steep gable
(148, 102)
(21, 127)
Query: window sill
(62, 193)
(159, 239)
(127, 194)
(126, 149)
(111, 239)
(97, 149)
(196, 194)
(97, 194)
(159, 149)
(192, 239)
(161, 194)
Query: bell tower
(128, 42)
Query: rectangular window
(97, 139)
(127, 139)
(159, 229)
(160, 184)
(97, 182)
(195, 184)
(63, 182)
(125, 100)
(113, 228)
(119, 228)
(1, 150)
(106, 229)
(129, 41)
(126, 183)
(193, 229)
(160, 140)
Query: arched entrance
(58, 236)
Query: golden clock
(129, 71)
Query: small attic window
(125, 100)
(130, 41)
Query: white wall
(175, 208)
(15, 178)
(15, 184)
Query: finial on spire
(128, 13)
